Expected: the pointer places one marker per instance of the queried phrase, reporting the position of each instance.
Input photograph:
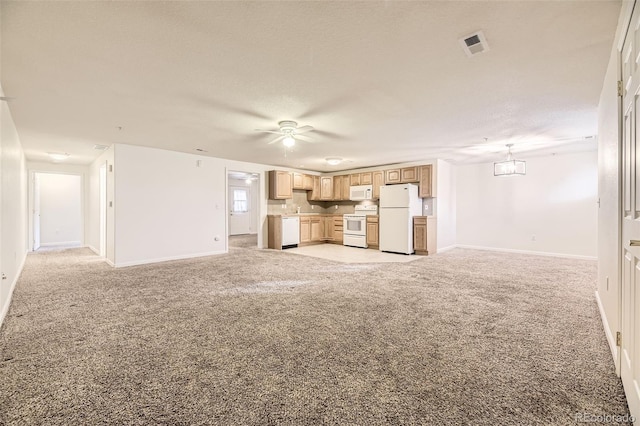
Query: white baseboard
(447, 248)
(62, 243)
(167, 259)
(5, 308)
(609, 334)
(93, 249)
(536, 253)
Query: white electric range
(355, 226)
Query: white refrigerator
(398, 205)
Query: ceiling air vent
(100, 147)
(474, 43)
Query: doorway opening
(57, 211)
(243, 190)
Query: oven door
(354, 225)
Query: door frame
(260, 205)
(31, 201)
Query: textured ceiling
(382, 82)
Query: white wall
(60, 209)
(93, 205)
(13, 207)
(555, 202)
(446, 201)
(166, 207)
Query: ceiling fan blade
(6, 98)
(277, 132)
(303, 138)
(277, 140)
(303, 129)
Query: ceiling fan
(289, 132)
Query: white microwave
(361, 192)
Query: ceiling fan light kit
(289, 133)
(510, 167)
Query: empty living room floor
(259, 337)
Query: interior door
(36, 211)
(239, 210)
(630, 293)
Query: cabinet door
(355, 179)
(337, 188)
(409, 175)
(366, 178)
(328, 228)
(298, 181)
(392, 176)
(317, 231)
(420, 234)
(307, 182)
(280, 185)
(425, 189)
(326, 188)
(372, 232)
(314, 194)
(346, 187)
(378, 181)
(305, 229)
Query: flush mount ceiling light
(58, 156)
(509, 167)
(334, 161)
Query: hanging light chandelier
(509, 167)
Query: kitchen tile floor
(346, 254)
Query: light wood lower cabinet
(305, 229)
(373, 239)
(424, 235)
(317, 228)
(337, 229)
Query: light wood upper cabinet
(354, 179)
(298, 181)
(366, 178)
(378, 181)
(314, 194)
(426, 182)
(392, 176)
(410, 175)
(307, 182)
(326, 188)
(280, 185)
(346, 187)
(337, 188)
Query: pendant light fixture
(509, 167)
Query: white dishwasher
(290, 231)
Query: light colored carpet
(263, 337)
(244, 241)
(346, 254)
